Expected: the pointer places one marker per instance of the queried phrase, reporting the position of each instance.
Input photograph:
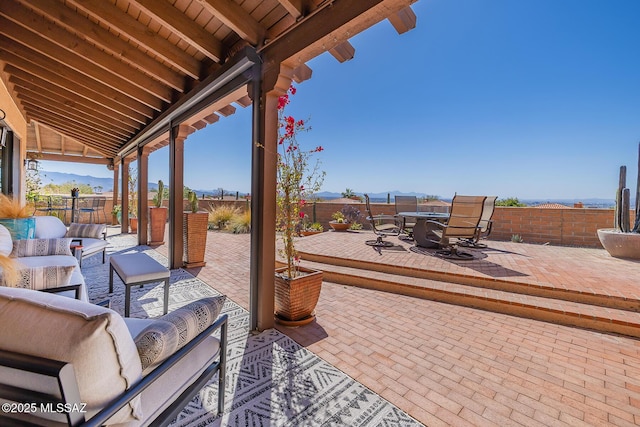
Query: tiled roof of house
(551, 206)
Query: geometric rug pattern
(271, 380)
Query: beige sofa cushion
(93, 338)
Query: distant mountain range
(59, 178)
(107, 186)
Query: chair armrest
(60, 289)
(382, 217)
(113, 407)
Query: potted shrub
(194, 233)
(345, 219)
(308, 228)
(18, 218)
(116, 214)
(297, 289)
(623, 241)
(157, 217)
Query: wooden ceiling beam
(122, 50)
(73, 100)
(295, 8)
(234, 16)
(36, 128)
(226, 111)
(37, 64)
(82, 137)
(343, 52)
(73, 123)
(39, 98)
(58, 45)
(125, 24)
(403, 20)
(302, 73)
(74, 116)
(75, 159)
(167, 15)
(60, 85)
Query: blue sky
(527, 98)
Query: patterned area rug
(271, 380)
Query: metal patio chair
(382, 226)
(484, 226)
(466, 212)
(407, 204)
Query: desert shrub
(240, 223)
(220, 216)
(510, 201)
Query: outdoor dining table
(423, 231)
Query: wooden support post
(263, 201)
(177, 137)
(143, 195)
(124, 224)
(116, 189)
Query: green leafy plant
(516, 238)
(355, 226)
(510, 201)
(116, 209)
(338, 216)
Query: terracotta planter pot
(339, 226)
(620, 245)
(310, 232)
(296, 298)
(133, 223)
(157, 224)
(194, 234)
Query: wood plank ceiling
(89, 75)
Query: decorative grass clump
(12, 208)
(10, 274)
(241, 223)
(220, 216)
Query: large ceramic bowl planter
(296, 298)
(339, 226)
(619, 244)
(158, 222)
(195, 238)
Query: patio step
(587, 296)
(536, 307)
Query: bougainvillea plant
(298, 178)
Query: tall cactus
(160, 196)
(622, 220)
(193, 201)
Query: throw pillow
(174, 330)
(86, 230)
(39, 278)
(41, 247)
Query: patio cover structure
(110, 81)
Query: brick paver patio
(451, 365)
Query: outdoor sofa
(60, 354)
